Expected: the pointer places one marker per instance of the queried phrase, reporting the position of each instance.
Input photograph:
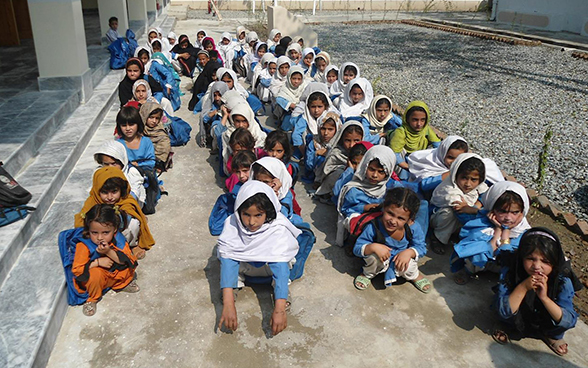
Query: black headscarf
(202, 82)
(283, 46)
(125, 87)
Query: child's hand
(105, 262)
(322, 152)
(229, 314)
(103, 247)
(168, 91)
(403, 165)
(493, 220)
(382, 135)
(380, 250)
(460, 206)
(369, 207)
(224, 110)
(402, 259)
(539, 284)
(276, 184)
(279, 319)
(292, 106)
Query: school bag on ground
(122, 49)
(13, 199)
(179, 131)
(222, 209)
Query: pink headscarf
(214, 48)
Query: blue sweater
(280, 274)
(144, 155)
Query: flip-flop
(420, 285)
(555, 344)
(437, 246)
(89, 308)
(498, 331)
(361, 282)
(461, 278)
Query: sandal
(139, 253)
(437, 246)
(499, 334)
(555, 345)
(361, 282)
(421, 284)
(89, 308)
(132, 287)
(461, 278)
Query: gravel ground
(501, 98)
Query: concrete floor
(172, 321)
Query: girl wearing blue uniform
(140, 150)
(380, 119)
(357, 97)
(289, 96)
(154, 68)
(318, 145)
(257, 242)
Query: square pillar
(137, 13)
(113, 8)
(60, 46)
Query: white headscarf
(347, 107)
(386, 158)
(302, 107)
(198, 44)
(244, 110)
(430, 162)
(277, 168)
(305, 52)
(279, 79)
(240, 30)
(449, 192)
(254, 57)
(232, 98)
(270, 39)
(143, 82)
(324, 77)
(173, 37)
(260, 67)
(273, 242)
(236, 85)
(498, 189)
(318, 144)
(288, 91)
(294, 46)
(370, 114)
(208, 98)
(339, 86)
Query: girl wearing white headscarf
(294, 52)
(348, 106)
(303, 61)
(254, 59)
(274, 173)
(200, 36)
(317, 74)
(250, 42)
(304, 120)
(248, 249)
(338, 88)
(271, 39)
(279, 78)
(211, 115)
(429, 167)
(165, 104)
(262, 77)
(289, 96)
(220, 73)
(226, 47)
(497, 229)
(241, 34)
(387, 123)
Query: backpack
(9, 215)
(122, 49)
(179, 131)
(222, 209)
(13, 199)
(152, 190)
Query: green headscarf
(410, 140)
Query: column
(137, 13)
(113, 8)
(151, 10)
(60, 46)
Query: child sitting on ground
(151, 114)
(110, 186)
(280, 77)
(380, 119)
(134, 70)
(319, 67)
(393, 243)
(130, 127)
(415, 134)
(211, 116)
(241, 140)
(314, 102)
(331, 77)
(346, 74)
(142, 94)
(456, 199)
(356, 154)
(114, 153)
(263, 76)
(277, 145)
(497, 229)
(357, 97)
(273, 172)
(289, 96)
(318, 145)
(103, 259)
(535, 294)
(257, 241)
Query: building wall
(89, 4)
(552, 15)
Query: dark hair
(301, 40)
(103, 214)
(507, 199)
(242, 159)
(100, 159)
(356, 86)
(403, 198)
(350, 68)
(129, 115)
(259, 169)
(112, 19)
(156, 41)
(156, 111)
(115, 183)
(242, 137)
(263, 203)
(383, 101)
(459, 145)
(201, 32)
(297, 72)
(414, 109)
(137, 62)
(470, 165)
(357, 150)
(206, 43)
(351, 129)
(227, 74)
(262, 46)
(142, 52)
(317, 96)
(279, 136)
(213, 54)
(285, 41)
(334, 71)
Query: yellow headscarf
(410, 140)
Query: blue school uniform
(229, 277)
(163, 76)
(354, 201)
(287, 122)
(428, 184)
(368, 236)
(144, 156)
(394, 122)
(539, 318)
(311, 160)
(299, 125)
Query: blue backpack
(122, 49)
(306, 241)
(9, 215)
(179, 132)
(223, 208)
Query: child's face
(332, 76)
(141, 93)
(468, 181)
(271, 68)
(375, 173)
(296, 80)
(101, 233)
(133, 72)
(260, 52)
(268, 180)
(294, 55)
(356, 94)
(382, 112)
(354, 161)
(277, 37)
(172, 41)
(110, 161)
(301, 43)
(114, 24)
(152, 36)
(348, 76)
(321, 64)
(156, 48)
(451, 156)
(242, 35)
(252, 44)
(537, 263)
(209, 47)
(327, 131)
(394, 218)
(203, 59)
(226, 41)
(308, 60)
(110, 197)
(217, 97)
(316, 108)
(200, 37)
(253, 218)
(509, 216)
(144, 59)
(276, 151)
(237, 147)
(284, 69)
(228, 80)
(214, 59)
(239, 121)
(417, 120)
(351, 139)
(129, 130)
(153, 119)
(242, 174)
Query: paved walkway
(172, 321)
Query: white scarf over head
(449, 192)
(321, 76)
(386, 157)
(318, 143)
(273, 242)
(277, 168)
(339, 86)
(430, 162)
(236, 85)
(288, 91)
(244, 110)
(143, 82)
(198, 44)
(324, 76)
(498, 189)
(347, 107)
(294, 46)
(279, 79)
(302, 107)
(240, 30)
(270, 39)
(305, 52)
(377, 126)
